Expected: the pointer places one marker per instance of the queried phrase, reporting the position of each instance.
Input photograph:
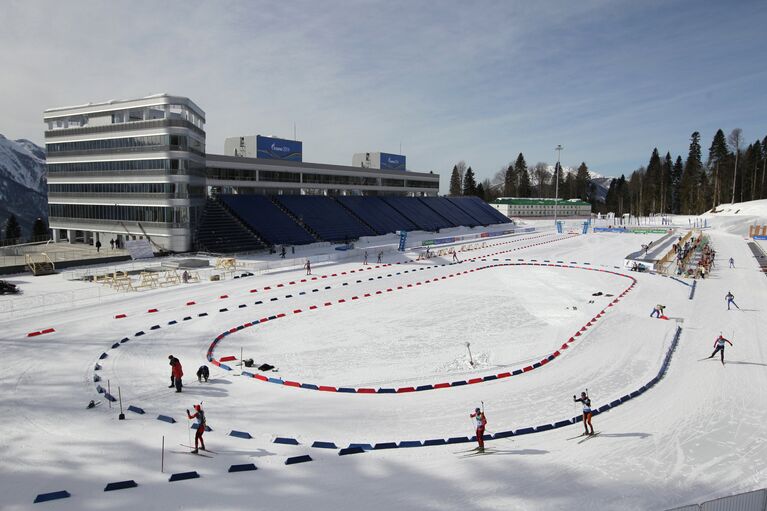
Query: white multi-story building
(531, 207)
(137, 168)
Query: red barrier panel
(254, 290)
(33, 334)
(291, 383)
(405, 389)
(227, 359)
(312, 307)
(223, 296)
(328, 304)
(191, 303)
(120, 316)
(475, 380)
(326, 388)
(152, 310)
(366, 391)
(526, 369)
(296, 311)
(260, 377)
(281, 315)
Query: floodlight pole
(558, 149)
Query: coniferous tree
(582, 182)
(718, 160)
(571, 190)
(469, 183)
(665, 184)
(12, 229)
(691, 177)
(455, 182)
(480, 192)
(735, 139)
(523, 177)
(510, 182)
(652, 179)
(676, 186)
(39, 229)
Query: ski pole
(162, 456)
(120, 396)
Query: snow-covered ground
(697, 434)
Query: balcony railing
(121, 150)
(127, 126)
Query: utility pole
(558, 149)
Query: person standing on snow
(730, 300)
(308, 267)
(719, 347)
(584, 399)
(365, 261)
(481, 420)
(199, 414)
(203, 372)
(658, 311)
(176, 372)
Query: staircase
(42, 266)
(354, 215)
(221, 232)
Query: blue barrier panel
(124, 339)
(458, 440)
(136, 409)
(172, 322)
(182, 476)
(197, 425)
(603, 408)
(276, 380)
(258, 302)
(272, 317)
(225, 367)
(346, 389)
(116, 345)
(298, 459)
(202, 314)
(524, 431)
(273, 300)
(560, 424)
(110, 397)
(244, 467)
(45, 497)
(424, 387)
(100, 389)
(285, 440)
(247, 374)
(240, 434)
(310, 386)
(223, 310)
(103, 356)
(165, 418)
(386, 391)
(410, 443)
(187, 318)
(577, 419)
(324, 445)
(351, 450)
(120, 485)
(544, 427)
(536, 365)
(154, 327)
(139, 333)
(97, 367)
(633, 395)
(241, 306)
(457, 383)
(96, 378)
(288, 296)
(503, 434)
(594, 413)
(365, 447)
(616, 402)
(517, 371)
(385, 445)
(434, 441)
(490, 378)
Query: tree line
(518, 180)
(13, 231)
(731, 173)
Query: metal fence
(749, 501)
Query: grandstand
(304, 219)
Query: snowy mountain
(23, 185)
(600, 185)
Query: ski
(190, 447)
(476, 454)
(465, 451)
(577, 436)
(192, 453)
(589, 437)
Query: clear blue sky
(450, 81)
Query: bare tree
(461, 166)
(540, 177)
(734, 139)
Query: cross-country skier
(365, 261)
(308, 267)
(380, 256)
(730, 300)
(719, 346)
(172, 383)
(455, 257)
(479, 417)
(658, 311)
(732, 263)
(199, 414)
(586, 412)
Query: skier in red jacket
(479, 417)
(199, 414)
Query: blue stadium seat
(377, 214)
(417, 212)
(450, 211)
(479, 209)
(266, 219)
(326, 217)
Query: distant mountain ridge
(23, 183)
